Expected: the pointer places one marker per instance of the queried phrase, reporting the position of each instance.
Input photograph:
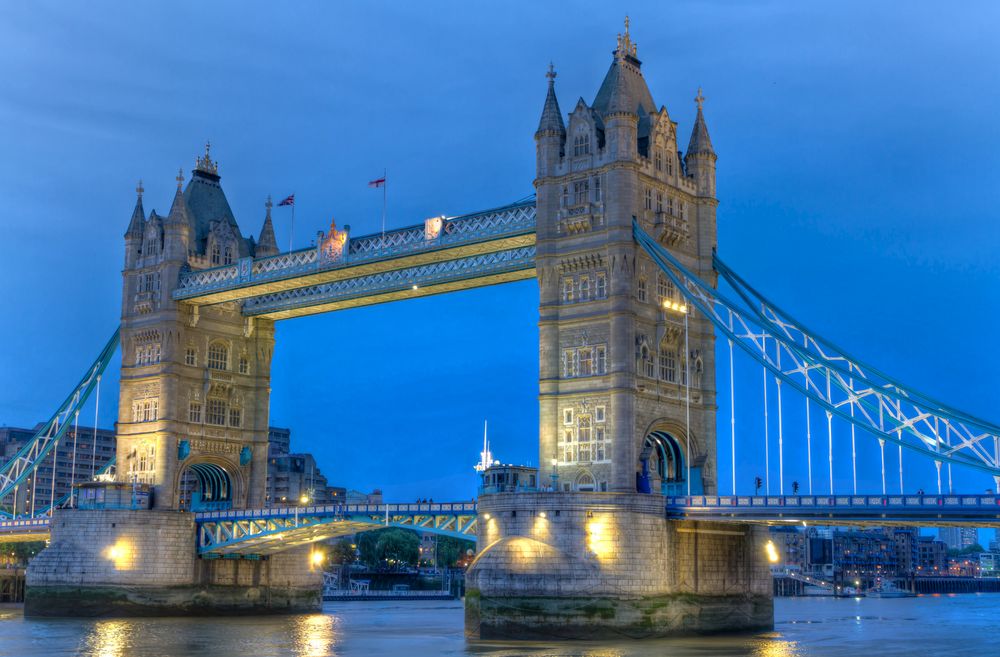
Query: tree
(342, 552)
(450, 550)
(391, 547)
(21, 553)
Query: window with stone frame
(567, 416)
(194, 412)
(664, 288)
(601, 285)
(145, 410)
(216, 253)
(599, 413)
(586, 361)
(646, 358)
(235, 417)
(640, 292)
(568, 364)
(567, 295)
(244, 365)
(658, 159)
(597, 189)
(190, 356)
(670, 164)
(670, 205)
(584, 288)
(565, 196)
(215, 413)
(649, 199)
(668, 366)
(581, 192)
(600, 360)
(227, 258)
(581, 144)
(659, 201)
(584, 437)
(218, 356)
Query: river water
(945, 626)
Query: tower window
(601, 285)
(584, 288)
(228, 256)
(658, 160)
(649, 199)
(218, 356)
(244, 365)
(581, 145)
(597, 189)
(586, 362)
(664, 288)
(216, 412)
(216, 254)
(581, 192)
(194, 412)
(190, 356)
(600, 360)
(641, 290)
(235, 417)
(567, 295)
(659, 201)
(668, 366)
(647, 361)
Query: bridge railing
(513, 219)
(464, 508)
(835, 501)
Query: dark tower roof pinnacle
(624, 89)
(700, 142)
(205, 164)
(138, 214)
(551, 115)
(267, 244)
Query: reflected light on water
(314, 635)
(110, 638)
(772, 645)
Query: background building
(292, 477)
(80, 454)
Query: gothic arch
(216, 478)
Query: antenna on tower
(485, 456)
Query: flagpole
(385, 184)
(291, 229)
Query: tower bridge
(627, 516)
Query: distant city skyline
(855, 181)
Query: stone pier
(144, 563)
(588, 565)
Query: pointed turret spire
(138, 215)
(700, 142)
(178, 209)
(624, 89)
(551, 115)
(267, 244)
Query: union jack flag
(378, 182)
(290, 200)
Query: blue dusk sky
(857, 179)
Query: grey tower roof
(551, 115)
(624, 89)
(138, 215)
(700, 142)
(267, 244)
(206, 203)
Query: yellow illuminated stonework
(601, 535)
(121, 554)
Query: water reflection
(108, 638)
(314, 635)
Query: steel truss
(841, 384)
(266, 531)
(14, 472)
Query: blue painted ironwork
(27, 460)
(506, 221)
(882, 510)
(265, 531)
(837, 384)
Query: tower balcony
(581, 218)
(670, 229)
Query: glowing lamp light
(415, 286)
(772, 552)
(304, 499)
(317, 558)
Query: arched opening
(662, 467)
(205, 487)
(585, 482)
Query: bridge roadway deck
(265, 531)
(835, 510)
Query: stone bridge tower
(614, 368)
(193, 407)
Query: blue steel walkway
(854, 510)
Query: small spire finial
(268, 204)
(180, 178)
(205, 162)
(699, 99)
(626, 25)
(139, 189)
(208, 147)
(551, 74)
(625, 46)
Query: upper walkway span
(443, 254)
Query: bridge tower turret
(614, 391)
(193, 407)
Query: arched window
(218, 356)
(640, 292)
(216, 253)
(228, 258)
(581, 144)
(585, 482)
(244, 365)
(647, 361)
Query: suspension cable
(781, 436)
(687, 401)
(732, 404)
(52, 490)
(767, 449)
(72, 469)
(881, 445)
(97, 408)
